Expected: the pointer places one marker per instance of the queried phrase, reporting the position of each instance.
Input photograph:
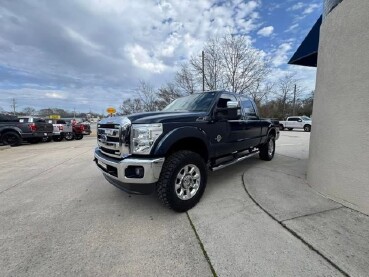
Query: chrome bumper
(115, 168)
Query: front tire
(281, 127)
(307, 128)
(182, 180)
(267, 150)
(11, 138)
(290, 129)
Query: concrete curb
(320, 223)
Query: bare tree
(261, 91)
(290, 90)
(148, 97)
(185, 79)
(213, 71)
(145, 101)
(130, 106)
(167, 94)
(230, 62)
(243, 65)
(29, 111)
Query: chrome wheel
(270, 147)
(187, 182)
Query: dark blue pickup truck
(170, 151)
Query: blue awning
(307, 53)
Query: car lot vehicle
(86, 128)
(170, 151)
(31, 129)
(296, 122)
(61, 129)
(78, 129)
(40, 126)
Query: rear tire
(69, 136)
(11, 138)
(290, 129)
(281, 127)
(267, 150)
(182, 180)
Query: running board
(221, 166)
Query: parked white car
(296, 122)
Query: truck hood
(158, 117)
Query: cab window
(248, 110)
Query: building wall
(339, 144)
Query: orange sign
(111, 110)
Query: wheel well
(307, 125)
(8, 130)
(272, 133)
(193, 144)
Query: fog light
(134, 172)
(139, 171)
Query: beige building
(339, 144)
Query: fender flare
(172, 137)
(11, 129)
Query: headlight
(144, 137)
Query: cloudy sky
(91, 54)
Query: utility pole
(203, 71)
(294, 101)
(13, 105)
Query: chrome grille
(113, 136)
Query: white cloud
(280, 55)
(55, 95)
(296, 6)
(83, 41)
(141, 58)
(78, 45)
(266, 31)
(292, 27)
(311, 8)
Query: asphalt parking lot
(59, 217)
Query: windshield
(200, 102)
(305, 118)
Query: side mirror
(233, 104)
(233, 110)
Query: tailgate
(44, 127)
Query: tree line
(232, 64)
(31, 111)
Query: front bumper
(114, 171)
